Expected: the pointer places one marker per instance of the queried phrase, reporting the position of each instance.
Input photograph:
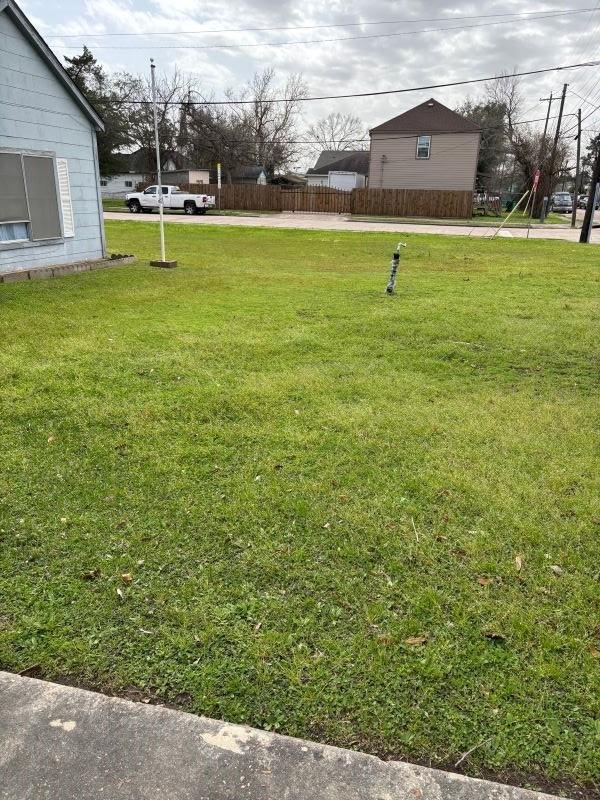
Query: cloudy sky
(379, 60)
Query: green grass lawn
(518, 220)
(113, 204)
(259, 488)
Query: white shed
(50, 206)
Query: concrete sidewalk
(60, 743)
(339, 222)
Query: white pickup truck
(147, 200)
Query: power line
(335, 39)
(392, 138)
(363, 94)
(294, 141)
(583, 99)
(308, 27)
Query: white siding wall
(115, 185)
(37, 113)
(317, 180)
(452, 163)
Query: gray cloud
(342, 67)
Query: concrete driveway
(339, 222)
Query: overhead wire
(245, 45)
(302, 27)
(379, 93)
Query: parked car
(583, 201)
(147, 200)
(562, 202)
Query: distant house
(428, 147)
(134, 169)
(340, 169)
(50, 207)
(289, 179)
(242, 175)
(138, 168)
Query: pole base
(164, 264)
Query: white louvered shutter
(64, 190)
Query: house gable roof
(329, 157)
(429, 117)
(355, 161)
(10, 8)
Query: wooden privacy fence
(320, 199)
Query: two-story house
(428, 147)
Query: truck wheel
(189, 207)
(135, 207)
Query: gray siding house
(50, 206)
(428, 147)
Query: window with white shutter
(64, 192)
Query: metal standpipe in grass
(395, 263)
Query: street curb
(63, 743)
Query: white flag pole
(158, 172)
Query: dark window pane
(43, 199)
(13, 203)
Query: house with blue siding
(50, 204)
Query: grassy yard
(259, 488)
(113, 204)
(518, 220)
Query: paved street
(339, 222)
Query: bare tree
(210, 134)
(494, 145)
(171, 93)
(338, 132)
(271, 118)
(506, 92)
(526, 147)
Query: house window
(103, 182)
(423, 146)
(13, 232)
(128, 184)
(31, 200)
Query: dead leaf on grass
(494, 636)
(121, 595)
(385, 639)
(91, 574)
(519, 563)
(595, 652)
(416, 641)
(483, 580)
(127, 577)
(556, 569)
(51, 439)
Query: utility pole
(556, 138)
(584, 236)
(576, 188)
(543, 142)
